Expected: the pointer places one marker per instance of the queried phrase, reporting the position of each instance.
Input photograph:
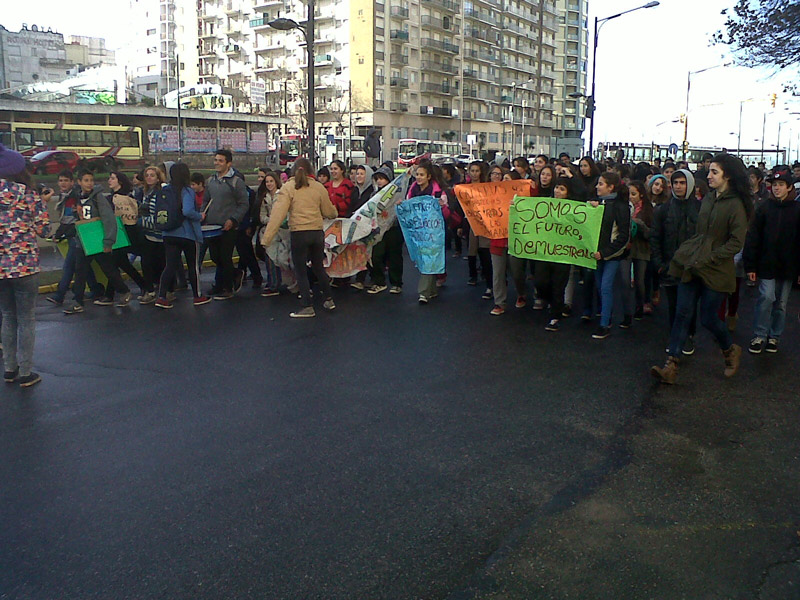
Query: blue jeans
(606, 274)
(68, 272)
(18, 304)
(710, 301)
(773, 294)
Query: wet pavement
(390, 450)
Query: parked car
(463, 160)
(51, 162)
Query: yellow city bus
(98, 146)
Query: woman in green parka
(704, 263)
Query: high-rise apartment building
(572, 47)
(156, 32)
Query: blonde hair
(159, 175)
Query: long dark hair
(738, 180)
(262, 187)
(594, 171)
(125, 185)
(484, 166)
(613, 178)
(302, 169)
(434, 171)
(342, 167)
(547, 189)
(179, 176)
(647, 205)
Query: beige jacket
(306, 207)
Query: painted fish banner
(349, 242)
(423, 228)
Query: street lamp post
(591, 99)
(686, 114)
(511, 113)
(284, 24)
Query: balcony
(437, 88)
(399, 34)
(398, 59)
(438, 67)
(446, 5)
(398, 106)
(379, 6)
(399, 12)
(482, 55)
(270, 48)
(379, 55)
(266, 69)
(484, 116)
(399, 82)
(210, 36)
(436, 110)
(481, 34)
(379, 103)
(256, 24)
(321, 60)
(380, 80)
(206, 53)
(480, 16)
(439, 45)
(232, 49)
(434, 23)
(232, 9)
(478, 75)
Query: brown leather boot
(733, 357)
(668, 373)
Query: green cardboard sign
(562, 231)
(91, 234)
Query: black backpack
(168, 209)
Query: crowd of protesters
(667, 234)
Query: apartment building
(156, 32)
(572, 47)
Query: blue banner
(422, 223)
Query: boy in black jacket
(771, 255)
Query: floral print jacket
(23, 216)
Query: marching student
(363, 190)
(614, 236)
(642, 217)
(184, 239)
(388, 253)
(277, 256)
(704, 263)
(479, 246)
(151, 244)
(427, 182)
(771, 256)
(93, 205)
(306, 201)
(121, 198)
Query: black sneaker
(472, 281)
(29, 380)
(688, 346)
(627, 322)
(566, 312)
(757, 345)
(54, 300)
(552, 325)
(601, 333)
(639, 314)
(11, 376)
(772, 345)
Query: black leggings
(309, 245)
(173, 247)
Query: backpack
(168, 209)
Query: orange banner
(486, 205)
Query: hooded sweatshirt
(94, 205)
(362, 193)
(674, 222)
(772, 246)
(23, 216)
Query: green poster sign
(562, 231)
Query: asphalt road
(386, 450)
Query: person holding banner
(389, 251)
(428, 183)
(363, 190)
(615, 233)
(306, 201)
(94, 205)
(23, 216)
(479, 246)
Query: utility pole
(178, 91)
(763, 133)
(348, 152)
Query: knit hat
(781, 173)
(11, 163)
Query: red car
(51, 162)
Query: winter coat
(306, 207)
(721, 231)
(674, 222)
(226, 199)
(640, 242)
(23, 216)
(95, 205)
(340, 196)
(190, 229)
(362, 193)
(772, 247)
(615, 230)
(147, 214)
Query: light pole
(511, 114)
(686, 114)
(590, 108)
(284, 24)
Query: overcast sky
(643, 59)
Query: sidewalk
(698, 497)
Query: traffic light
(685, 147)
(773, 98)
(589, 114)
